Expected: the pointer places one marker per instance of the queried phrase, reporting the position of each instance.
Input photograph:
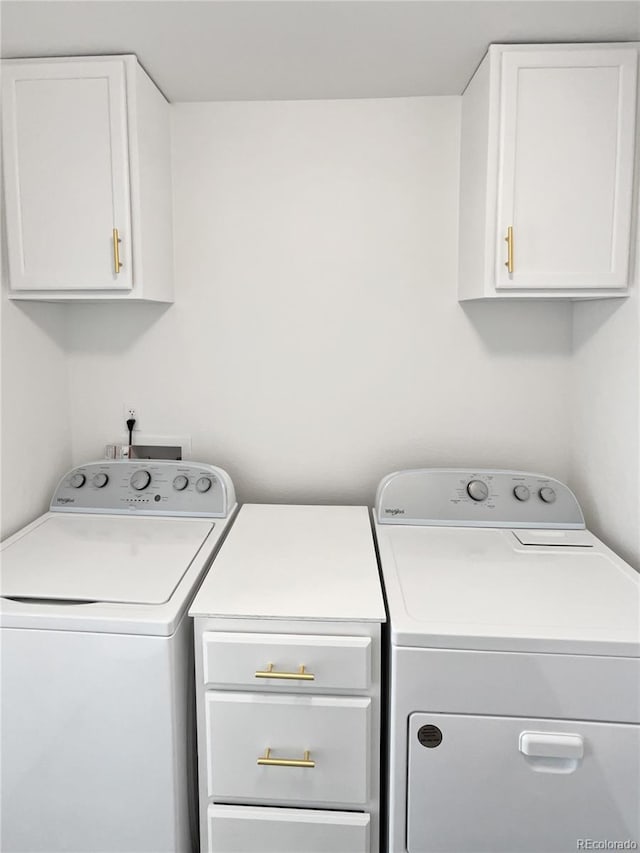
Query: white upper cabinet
(67, 175)
(87, 180)
(546, 184)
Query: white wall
(36, 441)
(35, 435)
(316, 342)
(605, 452)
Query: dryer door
(514, 785)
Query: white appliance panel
(146, 487)
(556, 538)
(505, 785)
(483, 583)
(101, 558)
(477, 497)
(94, 742)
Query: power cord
(131, 422)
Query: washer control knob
(180, 483)
(203, 484)
(100, 480)
(77, 480)
(522, 493)
(547, 494)
(140, 480)
(477, 490)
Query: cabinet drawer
(246, 829)
(267, 661)
(331, 734)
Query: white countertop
(295, 562)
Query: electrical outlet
(129, 412)
(183, 441)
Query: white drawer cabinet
(310, 750)
(288, 684)
(287, 661)
(288, 764)
(242, 829)
(87, 181)
(546, 181)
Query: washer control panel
(146, 487)
(480, 498)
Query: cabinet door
(66, 175)
(243, 829)
(566, 168)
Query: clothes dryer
(514, 668)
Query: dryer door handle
(551, 745)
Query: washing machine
(514, 662)
(97, 729)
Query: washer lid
(484, 589)
(87, 558)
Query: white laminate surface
(302, 562)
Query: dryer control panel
(476, 498)
(146, 487)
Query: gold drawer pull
(117, 264)
(509, 241)
(267, 761)
(300, 675)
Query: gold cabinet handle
(267, 761)
(117, 265)
(509, 241)
(300, 675)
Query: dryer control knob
(140, 480)
(547, 494)
(203, 484)
(477, 490)
(77, 480)
(522, 493)
(180, 483)
(100, 480)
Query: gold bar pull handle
(117, 265)
(266, 760)
(300, 675)
(509, 241)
